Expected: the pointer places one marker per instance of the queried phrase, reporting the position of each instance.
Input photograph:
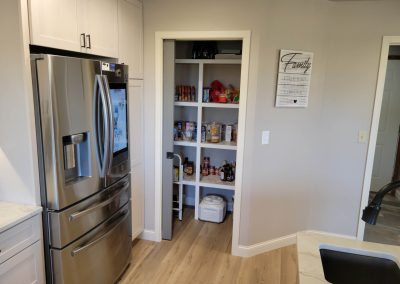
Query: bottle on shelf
(227, 172)
(185, 93)
(188, 167)
(203, 133)
(206, 165)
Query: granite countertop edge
(310, 270)
(12, 214)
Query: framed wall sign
(294, 78)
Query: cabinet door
(100, 23)
(25, 267)
(54, 23)
(135, 92)
(130, 26)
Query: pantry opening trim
(245, 37)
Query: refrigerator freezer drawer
(99, 257)
(68, 225)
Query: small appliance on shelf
(212, 209)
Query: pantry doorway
(201, 94)
(381, 166)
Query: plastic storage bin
(213, 209)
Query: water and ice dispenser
(76, 156)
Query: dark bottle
(185, 165)
(230, 176)
(190, 168)
(223, 173)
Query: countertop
(309, 260)
(13, 213)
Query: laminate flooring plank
(160, 250)
(177, 254)
(200, 253)
(201, 261)
(289, 269)
(263, 268)
(228, 268)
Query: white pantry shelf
(220, 105)
(185, 143)
(215, 182)
(187, 104)
(222, 145)
(208, 61)
(187, 180)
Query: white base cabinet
(21, 253)
(25, 267)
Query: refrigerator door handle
(120, 219)
(102, 149)
(111, 199)
(110, 125)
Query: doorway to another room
(386, 156)
(201, 119)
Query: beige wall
(18, 162)
(311, 174)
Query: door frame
(380, 86)
(201, 35)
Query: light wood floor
(200, 253)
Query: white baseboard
(248, 251)
(331, 234)
(149, 235)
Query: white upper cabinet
(101, 27)
(54, 23)
(89, 26)
(130, 31)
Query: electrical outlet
(265, 137)
(362, 136)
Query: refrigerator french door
(82, 132)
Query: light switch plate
(362, 136)
(265, 137)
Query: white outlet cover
(362, 136)
(265, 137)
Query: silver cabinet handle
(121, 219)
(83, 40)
(102, 149)
(78, 214)
(89, 41)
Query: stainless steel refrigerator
(81, 110)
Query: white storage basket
(213, 209)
